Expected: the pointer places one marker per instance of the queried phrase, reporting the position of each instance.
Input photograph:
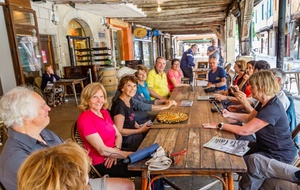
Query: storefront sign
(119, 23)
(140, 32)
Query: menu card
(186, 103)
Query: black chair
(76, 137)
(1, 187)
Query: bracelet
(117, 147)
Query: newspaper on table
(236, 147)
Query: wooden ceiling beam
(192, 14)
(150, 7)
(177, 2)
(191, 32)
(183, 29)
(217, 33)
(174, 18)
(194, 10)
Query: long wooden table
(191, 136)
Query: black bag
(211, 89)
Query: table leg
(53, 95)
(64, 92)
(297, 82)
(230, 182)
(82, 86)
(195, 80)
(74, 91)
(144, 180)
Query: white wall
(7, 74)
(266, 21)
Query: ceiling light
(158, 8)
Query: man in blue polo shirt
(216, 76)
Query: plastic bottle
(288, 66)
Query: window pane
(23, 18)
(29, 51)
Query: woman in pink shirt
(100, 135)
(174, 75)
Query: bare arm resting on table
(249, 128)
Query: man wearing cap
(157, 80)
(187, 62)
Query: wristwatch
(220, 126)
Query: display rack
(79, 50)
(82, 54)
(101, 55)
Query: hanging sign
(140, 32)
(156, 33)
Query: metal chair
(227, 67)
(3, 131)
(291, 79)
(76, 137)
(296, 131)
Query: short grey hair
(279, 74)
(18, 103)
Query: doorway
(116, 42)
(47, 51)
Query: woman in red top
(240, 67)
(240, 70)
(99, 134)
(249, 72)
(174, 75)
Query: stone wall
(90, 22)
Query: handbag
(211, 89)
